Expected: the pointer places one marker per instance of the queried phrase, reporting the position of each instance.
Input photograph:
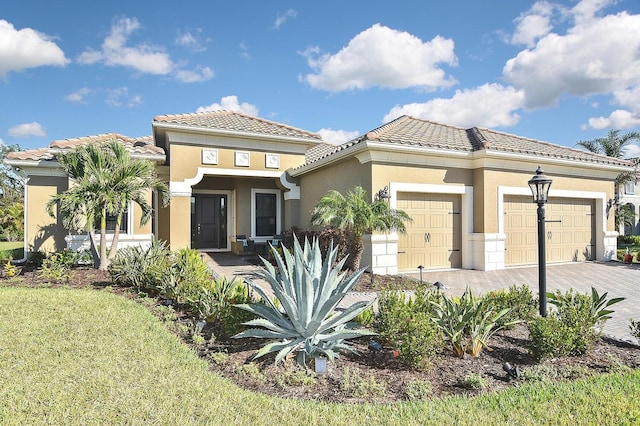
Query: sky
(555, 71)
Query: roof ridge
(555, 145)
(240, 114)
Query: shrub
(574, 327)
(189, 275)
(473, 381)
(10, 270)
(56, 267)
(355, 384)
(366, 317)
(145, 269)
(418, 390)
(634, 327)
(405, 326)
(520, 300)
(629, 240)
(309, 289)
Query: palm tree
(613, 146)
(357, 215)
(104, 179)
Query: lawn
(93, 357)
(13, 249)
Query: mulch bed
(373, 375)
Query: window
(265, 212)
(111, 223)
(630, 188)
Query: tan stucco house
(466, 190)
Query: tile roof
(141, 146)
(417, 132)
(235, 121)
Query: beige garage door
(570, 230)
(433, 237)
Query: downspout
(24, 222)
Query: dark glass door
(209, 222)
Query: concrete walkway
(618, 279)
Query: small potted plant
(628, 257)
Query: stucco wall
(185, 161)
(341, 177)
(42, 231)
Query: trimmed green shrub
(522, 305)
(407, 326)
(574, 327)
(145, 269)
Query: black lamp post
(540, 185)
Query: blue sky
(557, 71)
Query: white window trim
(278, 193)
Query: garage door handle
(427, 237)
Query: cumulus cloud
(598, 55)
(79, 95)
(143, 57)
(27, 130)
(194, 76)
(631, 151)
(26, 48)
(384, 57)
(490, 105)
(120, 97)
(281, 18)
(194, 42)
(618, 119)
(533, 24)
(230, 103)
(337, 137)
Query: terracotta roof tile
(235, 121)
(141, 146)
(417, 132)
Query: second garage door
(570, 230)
(433, 236)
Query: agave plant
(305, 321)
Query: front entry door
(209, 222)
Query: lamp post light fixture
(540, 185)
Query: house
(231, 174)
(629, 195)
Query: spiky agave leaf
(309, 289)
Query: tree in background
(11, 198)
(613, 145)
(104, 180)
(357, 215)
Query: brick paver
(619, 280)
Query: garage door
(570, 230)
(433, 236)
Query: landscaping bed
(374, 375)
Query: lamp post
(540, 185)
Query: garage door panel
(433, 234)
(570, 229)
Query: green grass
(90, 357)
(13, 249)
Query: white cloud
(244, 50)
(490, 105)
(337, 137)
(230, 103)
(26, 48)
(144, 58)
(533, 24)
(120, 97)
(194, 42)
(27, 130)
(618, 119)
(281, 18)
(599, 55)
(194, 76)
(79, 95)
(631, 151)
(381, 56)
